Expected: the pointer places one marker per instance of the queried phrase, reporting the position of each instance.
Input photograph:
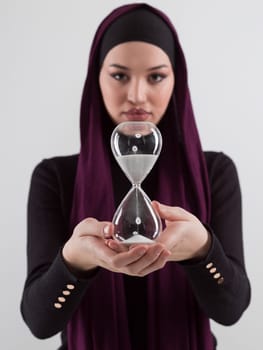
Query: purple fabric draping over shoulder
(175, 320)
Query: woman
(82, 282)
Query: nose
(137, 91)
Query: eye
(156, 78)
(119, 76)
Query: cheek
(110, 94)
(164, 92)
(163, 98)
(106, 93)
(112, 99)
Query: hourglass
(136, 146)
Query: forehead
(136, 52)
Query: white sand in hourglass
(138, 239)
(137, 166)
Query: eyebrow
(150, 69)
(119, 66)
(158, 67)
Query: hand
(184, 236)
(91, 245)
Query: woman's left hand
(184, 236)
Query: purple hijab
(175, 320)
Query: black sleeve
(51, 292)
(220, 282)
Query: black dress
(223, 292)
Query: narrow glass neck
(136, 185)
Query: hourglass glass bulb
(136, 147)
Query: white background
(44, 51)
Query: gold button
(62, 299)
(209, 265)
(213, 270)
(58, 305)
(70, 286)
(221, 280)
(66, 292)
(217, 275)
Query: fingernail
(141, 252)
(106, 230)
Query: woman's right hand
(86, 250)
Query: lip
(137, 114)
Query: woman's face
(136, 81)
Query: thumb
(93, 227)
(108, 229)
(170, 213)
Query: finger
(150, 257)
(117, 247)
(108, 229)
(171, 213)
(93, 227)
(125, 258)
(158, 264)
